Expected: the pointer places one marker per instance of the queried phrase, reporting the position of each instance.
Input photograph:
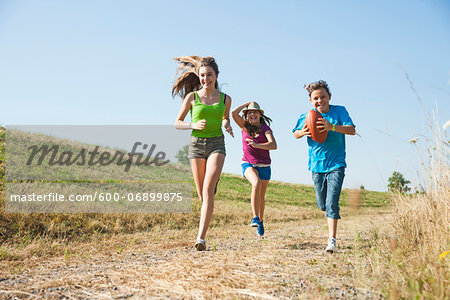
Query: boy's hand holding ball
(305, 131)
(324, 125)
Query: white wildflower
(446, 125)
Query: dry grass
(49, 243)
(290, 262)
(408, 256)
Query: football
(311, 119)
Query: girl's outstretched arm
(236, 117)
(271, 144)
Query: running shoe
(260, 229)
(200, 245)
(255, 222)
(331, 245)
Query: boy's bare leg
(332, 227)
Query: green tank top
(213, 114)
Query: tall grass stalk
(408, 259)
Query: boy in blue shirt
(327, 160)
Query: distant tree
(362, 188)
(398, 183)
(182, 155)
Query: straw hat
(253, 106)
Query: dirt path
(290, 262)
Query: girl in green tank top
(212, 113)
(210, 110)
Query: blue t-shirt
(330, 155)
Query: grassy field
(233, 190)
(137, 255)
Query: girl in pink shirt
(257, 140)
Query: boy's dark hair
(317, 85)
(252, 130)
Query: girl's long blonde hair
(187, 79)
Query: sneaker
(200, 245)
(255, 222)
(260, 229)
(331, 245)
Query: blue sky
(109, 62)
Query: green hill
(232, 205)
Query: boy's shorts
(204, 147)
(328, 189)
(264, 173)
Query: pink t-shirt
(252, 155)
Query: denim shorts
(328, 189)
(264, 173)
(204, 147)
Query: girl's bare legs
(252, 176)
(214, 165)
(198, 166)
(262, 203)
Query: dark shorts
(204, 147)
